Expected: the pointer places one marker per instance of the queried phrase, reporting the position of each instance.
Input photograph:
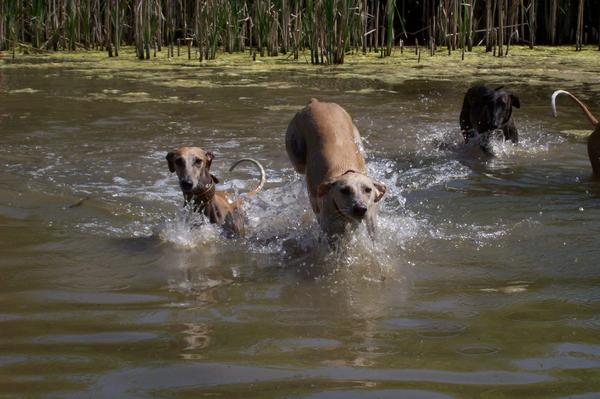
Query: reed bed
(325, 29)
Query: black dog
(485, 110)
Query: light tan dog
(593, 143)
(323, 143)
(192, 165)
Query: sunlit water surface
(484, 281)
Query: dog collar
(204, 197)
(351, 171)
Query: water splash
(140, 198)
(189, 230)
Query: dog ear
(169, 157)
(381, 189)
(209, 157)
(324, 188)
(214, 178)
(515, 101)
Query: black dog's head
(496, 109)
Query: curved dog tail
(585, 109)
(263, 175)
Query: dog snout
(359, 210)
(186, 184)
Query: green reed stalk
(221, 21)
(463, 28)
(341, 31)
(552, 21)
(238, 7)
(390, 12)
(149, 26)
(310, 31)
(71, 24)
(501, 11)
(229, 17)
(350, 23)
(38, 9)
(170, 26)
(328, 28)
(138, 29)
(2, 23)
(97, 35)
(201, 29)
(107, 28)
(579, 30)
(85, 13)
(243, 21)
(213, 29)
(472, 5)
(297, 30)
(10, 11)
(273, 41)
(116, 23)
(455, 23)
(154, 23)
(208, 30)
(285, 26)
(531, 22)
(262, 19)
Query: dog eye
(346, 191)
(198, 162)
(368, 190)
(179, 161)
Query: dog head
(192, 165)
(351, 195)
(496, 109)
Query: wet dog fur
(486, 110)
(323, 143)
(192, 165)
(593, 141)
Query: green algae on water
(537, 66)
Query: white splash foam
(189, 230)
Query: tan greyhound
(192, 165)
(593, 143)
(323, 143)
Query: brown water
(484, 283)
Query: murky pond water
(484, 281)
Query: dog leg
(510, 132)
(465, 121)
(593, 146)
(296, 147)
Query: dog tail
(263, 175)
(585, 109)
